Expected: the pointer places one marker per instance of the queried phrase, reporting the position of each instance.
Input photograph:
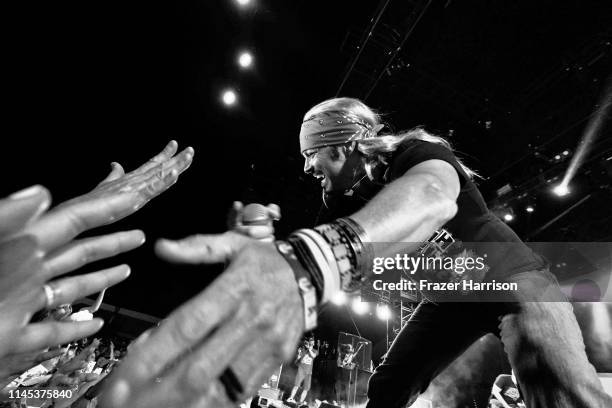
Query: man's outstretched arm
(410, 208)
(217, 348)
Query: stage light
(504, 212)
(566, 152)
(229, 97)
(245, 59)
(561, 190)
(529, 209)
(243, 3)
(383, 312)
(339, 298)
(359, 307)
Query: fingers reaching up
(118, 196)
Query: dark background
(511, 83)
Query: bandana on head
(334, 128)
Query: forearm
(399, 218)
(407, 210)
(338, 255)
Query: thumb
(201, 248)
(274, 211)
(116, 172)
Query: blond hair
(377, 150)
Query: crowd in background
(77, 367)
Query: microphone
(256, 214)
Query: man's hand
(248, 320)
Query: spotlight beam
(592, 131)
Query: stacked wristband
(351, 248)
(326, 262)
(310, 260)
(303, 278)
(332, 257)
(361, 245)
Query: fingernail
(44, 206)
(143, 237)
(27, 192)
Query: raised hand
(117, 196)
(247, 321)
(25, 269)
(36, 247)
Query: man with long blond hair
(379, 190)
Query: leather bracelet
(310, 261)
(328, 266)
(307, 290)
